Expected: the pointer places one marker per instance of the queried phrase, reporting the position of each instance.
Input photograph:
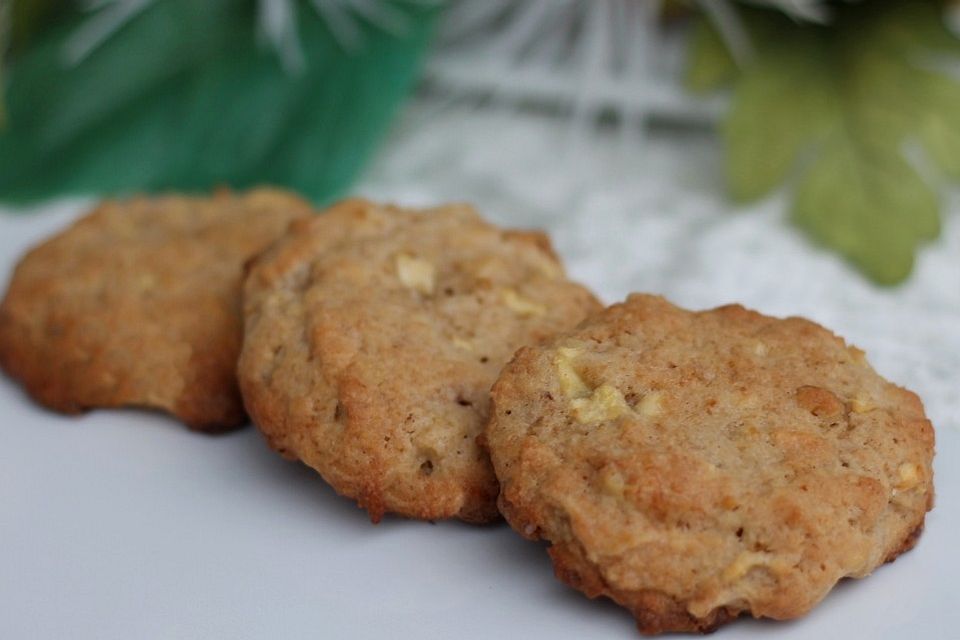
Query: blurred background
(798, 156)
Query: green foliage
(837, 106)
(710, 65)
(873, 209)
(28, 18)
(182, 98)
(25, 19)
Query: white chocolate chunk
(746, 561)
(416, 273)
(861, 404)
(613, 483)
(522, 306)
(572, 385)
(466, 345)
(652, 404)
(605, 403)
(909, 474)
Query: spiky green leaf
(183, 98)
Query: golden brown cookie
(697, 466)
(373, 334)
(138, 304)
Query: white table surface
(122, 524)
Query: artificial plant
(860, 115)
(190, 95)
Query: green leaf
(709, 63)
(182, 98)
(781, 104)
(838, 105)
(939, 125)
(30, 17)
(909, 27)
(873, 210)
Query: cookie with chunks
(694, 467)
(373, 335)
(138, 304)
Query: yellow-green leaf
(874, 211)
(838, 105)
(939, 122)
(709, 63)
(781, 104)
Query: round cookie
(697, 466)
(373, 335)
(138, 304)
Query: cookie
(694, 467)
(373, 335)
(138, 304)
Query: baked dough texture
(138, 304)
(694, 467)
(373, 335)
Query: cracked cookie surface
(373, 335)
(694, 467)
(138, 304)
